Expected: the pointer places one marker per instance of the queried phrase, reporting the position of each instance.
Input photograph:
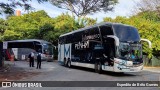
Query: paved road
(52, 71)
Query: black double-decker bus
(106, 46)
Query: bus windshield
(126, 33)
(48, 49)
(130, 51)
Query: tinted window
(69, 39)
(77, 37)
(106, 30)
(48, 49)
(93, 31)
(84, 34)
(62, 40)
(126, 33)
(94, 34)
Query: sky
(123, 8)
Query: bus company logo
(82, 45)
(67, 50)
(90, 37)
(6, 84)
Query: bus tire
(99, 68)
(65, 62)
(69, 63)
(96, 67)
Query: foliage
(11, 35)
(28, 25)
(83, 22)
(3, 26)
(150, 15)
(66, 23)
(38, 25)
(84, 7)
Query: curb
(152, 69)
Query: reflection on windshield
(126, 33)
(130, 51)
(48, 49)
(124, 50)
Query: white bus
(106, 46)
(33, 45)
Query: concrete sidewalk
(152, 69)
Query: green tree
(39, 25)
(11, 35)
(83, 22)
(3, 27)
(65, 23)
(62, 24)
(149, 15)
(29, 25)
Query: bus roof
(29, 40)
(100, 24)
(27, 43)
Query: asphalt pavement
(52, 71)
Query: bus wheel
(96, 67)
(99, 68)
(65, 62)
(69, 63)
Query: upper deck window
(126, 33)
(106, 30)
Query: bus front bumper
(119, 68)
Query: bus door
(109, 51)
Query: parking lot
(52, 71)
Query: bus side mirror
(149, 42)
(115, 38)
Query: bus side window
(93, 31)
(60, 40)
(85, 33)
(72, 38)
(66, 39)
(63, 40)
(106, 30)
(75, 39)
(78, 37)
(69, 39)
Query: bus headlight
(129, 63)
